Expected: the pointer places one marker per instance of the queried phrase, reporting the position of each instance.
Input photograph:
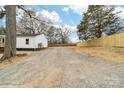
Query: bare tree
(64, 33)
(33, 24)
(25, 24)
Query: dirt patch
(51, 80)
(16, 59)
(108, 53)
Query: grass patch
(108, 53)
(13, 60)
(61, 45)
(21, 55)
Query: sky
(68, 15)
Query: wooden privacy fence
(116, 40)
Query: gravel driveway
(62, 67)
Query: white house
(2, 40)
(34, 41)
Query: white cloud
(65, 9)
(72, 28)
(53, 16)
(78, 9)
(119, 8)
(57, 25)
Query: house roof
(24, 34)
(28, 34)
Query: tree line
(99, 19)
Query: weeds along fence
(116, 40)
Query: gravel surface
(62, 67)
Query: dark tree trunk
(98, 34)
(10, 44)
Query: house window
(3, 40)
(27, 41)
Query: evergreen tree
(98, 19)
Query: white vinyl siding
(38, 41)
